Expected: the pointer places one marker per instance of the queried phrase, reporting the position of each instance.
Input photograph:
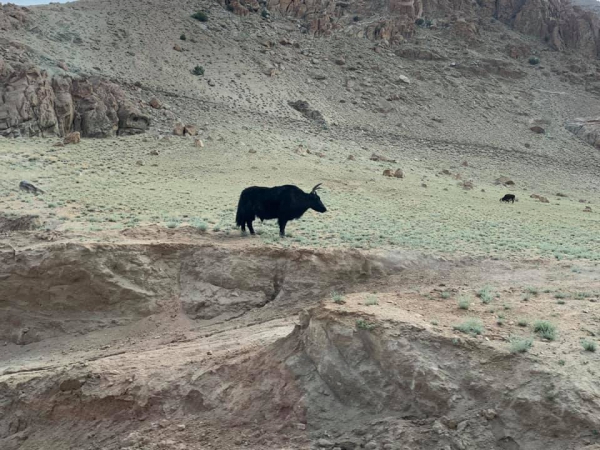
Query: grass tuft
(520, 345)
(470, 326)
(588, 346)
(532, 290)
(486, 294)
(337, 298)
(545, 329)
(371, 300)
(464, 303)
(362, 324)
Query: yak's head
(315, 201)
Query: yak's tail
(240, 216)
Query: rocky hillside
(484, 73)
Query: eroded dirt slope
(374, 360)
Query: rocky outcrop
(558, 22)
(32, 103)
(12, 17)
(586, 129)
(304, 108)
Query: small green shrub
(486, 295)
(201, 16)
(534, 60)
(173, 224)
(545, 329)
(356, 19)
(561, 362)
(183, 37)
(470, 326)
(561, 295)
(337, 298)
(420, 22)
(265, 14)
(199, 224)
(464, 303)
(588, 346)
(434, 323)
(526, 297)
(561, 302)
(371, 300)
(500, 320)
(520, 345)
(522, 323)
(198, 71)
(446, 295)
(362, 324)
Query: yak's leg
(282, 224)
(250, 227)
(244, 227)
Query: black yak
(283, 203)
(508, 198)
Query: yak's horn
(315, 188)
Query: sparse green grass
(561, 295)
(561, 302)
(434, 323)
(522, 323)
(371, 300)
(446, 295)
(470, 326)
(526, 297)
(337, 298)
(198, 71)
(362, 324)
(183, 37)
(464, 302)
(486, 295)
(545, 329)
(561, 362)
(520, 344)
(588, 346)
(171, 190)
(500, 320)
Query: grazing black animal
(508, 198)
(28, 187)
(283, 203)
